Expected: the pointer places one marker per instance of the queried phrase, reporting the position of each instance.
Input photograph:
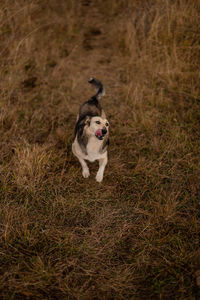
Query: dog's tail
(100, 91)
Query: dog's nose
(104, 131)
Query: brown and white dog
(91, 133)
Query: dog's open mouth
(99, 134)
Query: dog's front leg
(102, 164)
(85, 169)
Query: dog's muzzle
(100, 133)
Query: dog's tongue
(98, 132)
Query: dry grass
(136, 235)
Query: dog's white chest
(93, 149)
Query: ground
(135, 235)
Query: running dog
(91, 133)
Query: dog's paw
(86, 173)
(99, 177)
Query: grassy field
(136, 235)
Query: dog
(92, 133)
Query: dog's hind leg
(102, 164)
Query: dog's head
(97, 126)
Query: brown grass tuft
(30, 166)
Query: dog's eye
(107, 124)
(98, 122)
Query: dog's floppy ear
(87, 120)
